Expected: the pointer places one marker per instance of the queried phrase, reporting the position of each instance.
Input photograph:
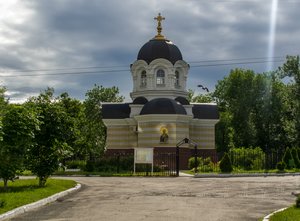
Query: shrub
(76, 164)
(203, 165)
(298, 202)
(2, 203)
(281, 166)
(288, 159)
(90, 166)
(191, 163)
(111, 164)
(294, 153)
(225, 164)
(247, 158)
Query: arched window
(143, 79)
(177, 79)
(160, 77)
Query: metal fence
(164, 164)
(242, 160)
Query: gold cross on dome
(159, 19)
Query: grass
(22, 192)
(290, 214)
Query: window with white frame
(160, 77)
(143, 79)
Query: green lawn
(23, 192)
(290, 214)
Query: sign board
(143, 155)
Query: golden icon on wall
(164, 135)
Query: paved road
(183, 198)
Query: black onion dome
(140, 100)
(158, 48)
(182, 100)
(163, 106)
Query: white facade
(159, 79)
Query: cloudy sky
(73, 44)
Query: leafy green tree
(255, 110)
(291, 69)
(75, 114)
(237, 96)
(19, 127)
(92, 128)
(200, 98)
(52, 138)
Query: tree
(19, 127)
(92, 128)
(291, 69)
(200, 98)
(52, 138)
(255, 110)
(75, 114)
(237, 95)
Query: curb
(267, 218)
(37, 204)
(244, 175)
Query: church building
(160, 114)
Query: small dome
(159, 48)
(182, 100)
(140, 100)
(163, 106)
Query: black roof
(163, 106)
(115, 111)
(157, 48)
(140, 100)
(205, 111)
(182, 100)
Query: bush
(191, 163)
(225, 164)
(294, 153)
(76, 164)
(203, 165)
(247, 158)
(111, 164)
(90, 166)
(281, 166)
(298, 202)
(2, 203)
(288, 159)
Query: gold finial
(159, 18)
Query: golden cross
(159, 18)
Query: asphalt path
(181, 198)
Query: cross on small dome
(159, 19)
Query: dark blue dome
(159, 48)
(163, 106)
(140, 100)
